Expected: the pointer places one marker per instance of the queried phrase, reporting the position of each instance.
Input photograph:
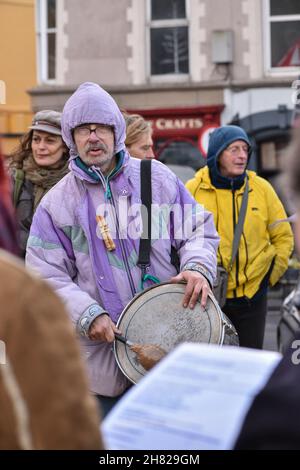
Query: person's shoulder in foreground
(273, 421)
(44, 397)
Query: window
(46, 39)
(283, 34)
(169, 43)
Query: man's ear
(73, 138)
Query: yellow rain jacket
(260, 243)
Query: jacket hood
(222, 137)
(92, 104)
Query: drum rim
(140, 294)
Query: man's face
(95, 146)
(233, 160)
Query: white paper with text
(195, 399)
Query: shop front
(180, 135)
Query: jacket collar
(222, 182)
(205, 181)
(92, 175)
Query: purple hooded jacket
(66, 247)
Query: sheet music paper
(195, 399)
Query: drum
(156, 316)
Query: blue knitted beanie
(222, 137)
(219, 141)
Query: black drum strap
(146, 199)
(145, 241)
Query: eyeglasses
(237, 149)
(100, 131)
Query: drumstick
(123, 339)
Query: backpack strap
(19, 180)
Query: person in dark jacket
(39, 162)
(273, 420)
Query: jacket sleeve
(281, 235)
(194, 233)
(50, 253)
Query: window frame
(170, 77)
(268, 20)
(42, 31)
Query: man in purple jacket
(85, 236)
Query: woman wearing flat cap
(39, 162)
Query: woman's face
(142, 148)
(47, 149)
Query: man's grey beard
(101, 161)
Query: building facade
(186, 65)
(17, 69)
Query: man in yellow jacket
(265, 245)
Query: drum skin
(156, 316)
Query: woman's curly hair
(22, 151)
